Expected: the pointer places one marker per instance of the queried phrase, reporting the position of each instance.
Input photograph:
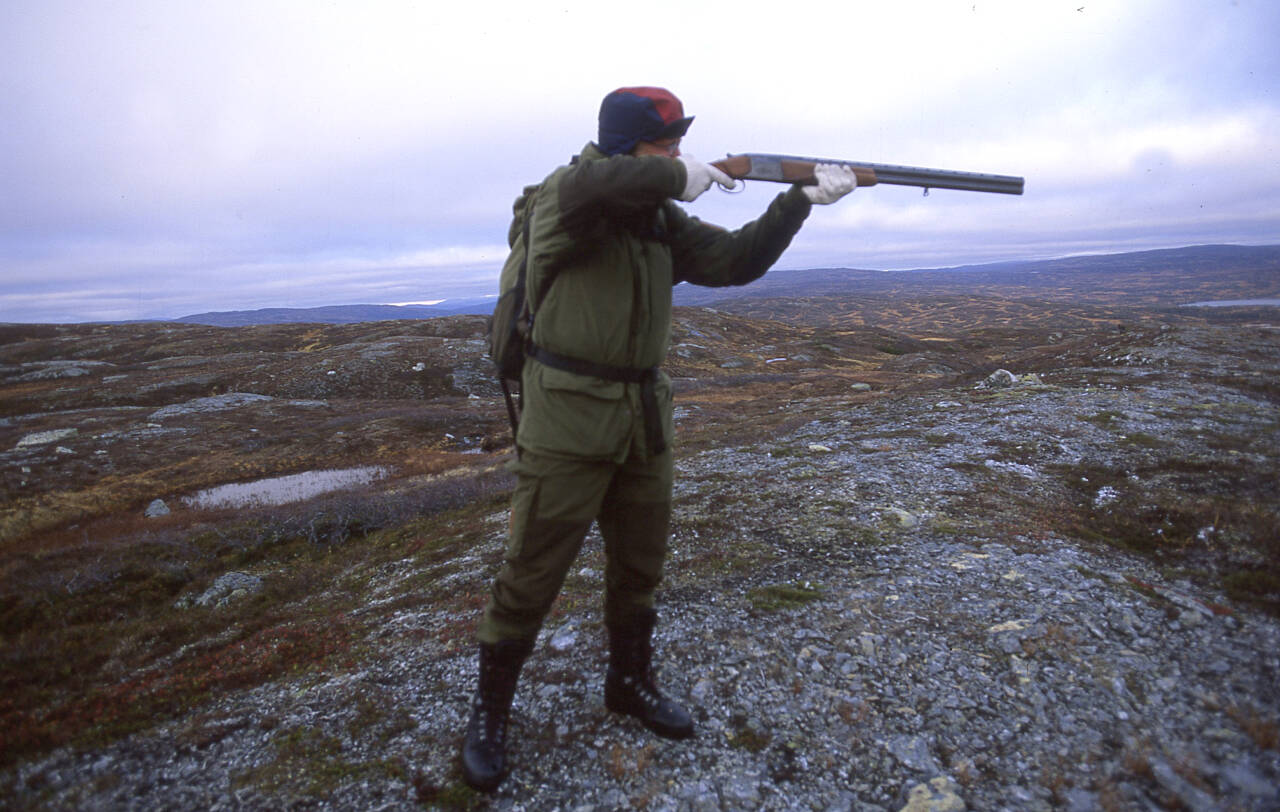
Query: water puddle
(283, 489)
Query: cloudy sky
(172, 157)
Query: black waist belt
(646, 377)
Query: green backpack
(511, 325)
(512, 319)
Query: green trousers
(554, 504)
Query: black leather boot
(484, 752)
(629, 687)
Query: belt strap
(646, 377)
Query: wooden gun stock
(782, 169)
(791, 169)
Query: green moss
(310, 764)
(780, 597)
(1141, 440)
(946, 527)
(454, 797)
(750, 739)
(1103, 420)
(1260, 587)
(868, 537)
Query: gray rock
(913, 753)
(741, 791)
(46, 437)
(941, 794)
(563, 639)
(1246, 779)
(216, 403)
(699, 796)
(1000, 379)
(156, 509)
(1081, 800)
(899, 517)
(229, 587)
(53, 370)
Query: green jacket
(607, 228)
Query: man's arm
(704, 254)
(621, 186)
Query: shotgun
(791, 169)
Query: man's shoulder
(549, 187)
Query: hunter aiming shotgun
(791, 169)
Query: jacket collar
(590, 153)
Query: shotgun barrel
(794, 169)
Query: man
(606, 243)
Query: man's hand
(700, 178)
(834, 182)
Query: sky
(159, 159)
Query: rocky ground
(1008, 595)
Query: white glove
(834, 182)
(701, 176)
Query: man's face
(665, 148)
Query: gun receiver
(792, 169)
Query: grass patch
(456, 796)
(864, 536)
(310, 765)
(1142, 440)
(750, 739)
(946, 526)
(1103, 420)
(942, 438)
(1151, 529)
(728, 558)
(1259, 588)
(781, 597)
(1211, 522)
(94, 648)
(1021, 452)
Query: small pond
(283, 489)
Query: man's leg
(552, 508)
(635, 522)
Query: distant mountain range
(341, 314)
(1165, 277)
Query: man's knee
(531, 577)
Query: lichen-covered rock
(1000, 379)
(229, 587)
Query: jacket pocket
(573, 415)
(558, 380)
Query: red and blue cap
(630, 115)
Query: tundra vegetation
(915, 517)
